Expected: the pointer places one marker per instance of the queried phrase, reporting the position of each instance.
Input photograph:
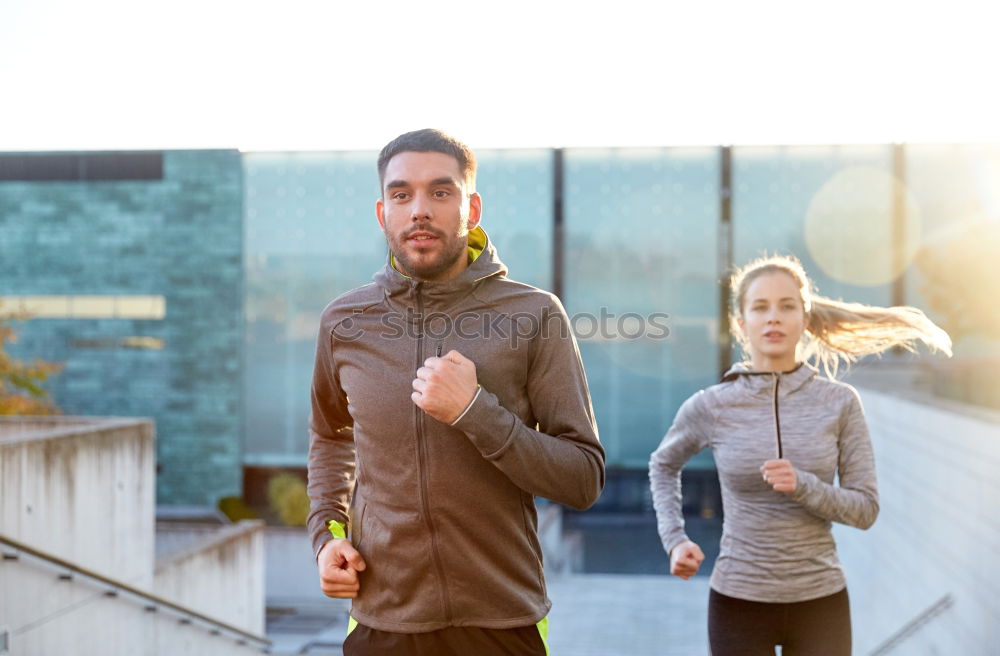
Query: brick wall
(179, 237)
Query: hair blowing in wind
(839, 332)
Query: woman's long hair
(838, 332)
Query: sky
(311, 75)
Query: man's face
(426, 212)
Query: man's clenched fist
(445, 386)
(339, 563)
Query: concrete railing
(923, 579)
(51, 606)
(221, 572)
(79, 492)
(81, 489)
(16, 427)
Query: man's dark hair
(429, 140)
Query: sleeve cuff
(488, 425)
(479, 390)
(334, 529)
(676, 542)
(805, 482)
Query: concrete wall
(292, 576)
(938, 533)
(46, 615)
(82, 490)
(221, 573)
(562, 551)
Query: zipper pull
(439, 349)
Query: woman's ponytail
(839, 332)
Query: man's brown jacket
(444, 515)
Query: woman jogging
(780, 433)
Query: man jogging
(445, 397)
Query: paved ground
(593, 614)
(308, 626)
(628, 615)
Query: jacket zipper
(777, 416)
(422, 468)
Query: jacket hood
(743, 373)
(485, 264)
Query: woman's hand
(780, 475)
(685, 559)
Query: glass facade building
(641, 227)
(133, 265)
(242, 251)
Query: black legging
(818, 627)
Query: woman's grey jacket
(776, 547)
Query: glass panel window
(830, 206)
(641, 271)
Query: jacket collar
(744, 375)
(401, 288)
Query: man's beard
(428, 270)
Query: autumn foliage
(21, 391)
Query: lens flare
(851, 231)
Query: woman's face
(773, 317)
